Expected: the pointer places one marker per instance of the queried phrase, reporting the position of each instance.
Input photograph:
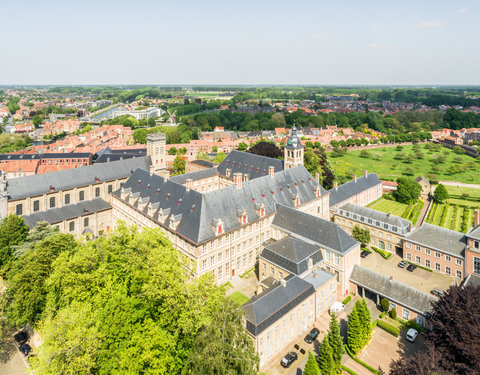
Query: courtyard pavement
(420, 279)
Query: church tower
(293, 150)
(156, 149)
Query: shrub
(382, 314)
(366, 249)
(393, 313)
(367, 366)
(347, 300)
(444, 215)
(385, 304)
(406, 325)
(389, 328)
(384, 254)
(346, 369)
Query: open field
(390, 163)
(385, 205)
(459, 191)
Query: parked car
(437, 292)
(289, 359)
(312, 336)
(337, 307)
(21, 337)
(25, 349)
(411, 335)
(411, 267)
(402, 264)
(364, 254)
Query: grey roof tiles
(253, 165)
(351, 188)
(374, 215)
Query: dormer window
(317, 191)
(218, 226)
(296, 199)
(242, 214)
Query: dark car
(289, 359)
(411, 267)
(364, 254)
(21, 337)
(402, 264)
(312, 336)
(25, 349)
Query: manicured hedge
(366, 249)
(389, 328)
(420, 266)
(347, 300)
(384, 254)
(346, 369)
(367, 366)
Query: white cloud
(377, 26)
(374, 45)
(463, 10)
(321, 36)
(429, 24)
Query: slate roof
(318, 277)
(108, 155)
(474, 232)
(375, 215)
(351, 188)
(66, 155)
(293, 142)
(292, 254)
(393, 290)
(253, 165)
(271, 305)
(198, 211)
(204, 163)
(472, 280)
(29, 186)
(438, 238)
(421, 178)
(67, 212)
(313, 228)
(195, 176)
(20, 156)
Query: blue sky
(240, 42)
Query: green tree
(225, 343)
(354, 335)
(13, 231)
(178, 166)
(214, 149)
(37, 121)
(385, 304)
(311, 367)
(335, 341)
(325, 358)
(172, 151)
(242, 146)
(219, 157)
(365, 320)
(440, 194)
(361, 234)
(408, 191)
(278, 120)
(41, 231)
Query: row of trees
(359, 326)
(121, 304)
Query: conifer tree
(366, 321)
(325, 358)
(354, 337)
(311, 367)
(336, 343)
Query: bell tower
(156, 149)
(293, 150)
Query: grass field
(386, 205)
(238, 298)
(382, 160)
(458, 191)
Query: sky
(245, 42)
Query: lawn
(459, 191)
(385, 161)
(238, 298)
(386, 205)
(455, 216)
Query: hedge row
(408, 211)
(384, 254)
(389, 328)
(443, 218)
(347, 300)
(346, 369)
(432, 213)
(454, 215)
(407, 324)
(418, 210)
(366, 365)
(465, 219)
(420, 266)
(366, 249)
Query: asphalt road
(12, 361)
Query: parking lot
(420, 279)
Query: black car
(411, 267)
(25, 349)
(402, 264)
(289, 359)
(312, 336)
(21, 337)
(364, 254)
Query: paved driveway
(11, 360)
(419, 279)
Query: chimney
(188, 183)
(259, 289)
(355, 177)
(391, 278)
(317, 176)
(335, 185)
(271, 170)
(283, 283)
(476, 217)
(245, 177)
(237, 179)
(227, 172)
(365, 173)
(389, 213)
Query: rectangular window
(409, 256)
(427, 263)
(66, 198)
(459, 262)
(272, 271)
(406, 314)
(204, 264)
(85, 222)
(427, 251)
(19, 209)
(476, 265)
(212, 260)
(448, 258)
(97, 191)
(437, 266)
(327, 255)
(72, 226)
(36, 206)
(417, 247)
(110, 189)
(408, 245)
(52, 202)
(81, 195)
(337, 259)
(437, 254)
(459, 274)
(448, 270)
(417, 259)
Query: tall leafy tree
(408, 191)
(267, 149)
(336, 343)
(365, 320)
(311, 367)
(13, 231)
(41, 231)
(440, 194)
(354, 335)
(361, 234)
(223, 346)
(325, 358)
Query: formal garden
(431, 160)
(409, 211)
